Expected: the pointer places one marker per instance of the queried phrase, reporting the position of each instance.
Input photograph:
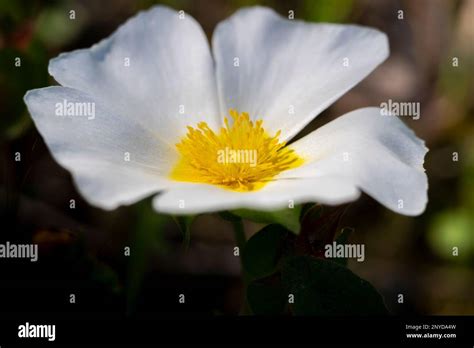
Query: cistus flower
(210, 131)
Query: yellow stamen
(240, 157)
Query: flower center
(240, 157)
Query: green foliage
(452, 227)
(262, 251)
(289, 217)
(228, 216)
(15, 81)
(281, 263)
(327, 10)
(449, 229)
(147, 238)
(54, 20)
(323, 287)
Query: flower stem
(239, 234)
(240, 239)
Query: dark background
(82, 249)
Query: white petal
(94, 149)
(378, 154)
(200, 198)
(169, 83)
(290, 66)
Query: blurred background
(82, 248)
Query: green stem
(186, 238)
(239, 234)
(240, 239)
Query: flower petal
(288, 70)
(200, 198)
(94, 148)
(157, 68)
(378, 154)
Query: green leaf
(288, 217)
(266, 297)
(322, 287)
(263, 250)
(343, 239)
(184, 223)
(147, 236)
(228, 216)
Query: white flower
(159, 98)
